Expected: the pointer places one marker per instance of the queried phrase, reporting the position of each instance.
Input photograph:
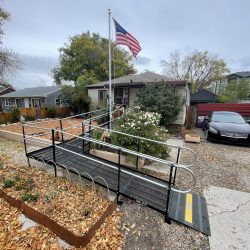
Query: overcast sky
(39, 27)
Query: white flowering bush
(143, 124)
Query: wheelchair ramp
(191, 210)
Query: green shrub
(15, 114)
(143, 124)
(29, 197)
(51, 112)
(161, 99)
(8, 183)
(17, 177)
(50, 196)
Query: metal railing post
(118, 181)
(167, 218)
(90, 122)
(61, 130)
(25, 146)
(177, 161)
(138, 149)
(54, 150)
(83, 139)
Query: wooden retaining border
(60, 231)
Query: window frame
(35, 99)
(60, 102)
(104, 98)
(7, 104)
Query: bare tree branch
(9, 63)
(200, 68)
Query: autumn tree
(235, 90)
(200, 68)
(86, 55)
(9, 61)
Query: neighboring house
(33, 97)
(125, 89)
(218, 87)
(5, 90)
(203, 96)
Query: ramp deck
(188, 209)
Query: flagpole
(110, 90)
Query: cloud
(245, 62)
(142, 60)
(38, 64)
(36, 71)
(27, 80)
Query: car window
(228, 117)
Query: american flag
(124, 38)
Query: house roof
(138, 80)
(5, 90)
(33, 92)
(203, 95)
(243, 74)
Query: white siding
(184, 92)
(93, 94)
(132, 95)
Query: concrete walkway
(229, 215)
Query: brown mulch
(43, 128)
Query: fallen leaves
(63, 202)
(12, 237)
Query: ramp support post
(83, 133)
(118, 181)
(54, 150)
(167, 218)
(138, 149)
(61, 130)
(177, 161)
(25, 146)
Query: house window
(118, 95)
(7, 102)
(36, 103)
(18, 103)
(58, 102)
(102, 96)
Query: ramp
(163, 196)
(188, 209)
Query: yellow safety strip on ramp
(189, 208)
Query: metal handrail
(149, 157)
(135, 175)
(150, 140)
(95, 117)
(176, 165)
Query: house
(125, 89)
(5, 90)
(203, 96)
(218, 87)
(33, 97)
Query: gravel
(217, 165)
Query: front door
(121, 96)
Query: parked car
(226, 126)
